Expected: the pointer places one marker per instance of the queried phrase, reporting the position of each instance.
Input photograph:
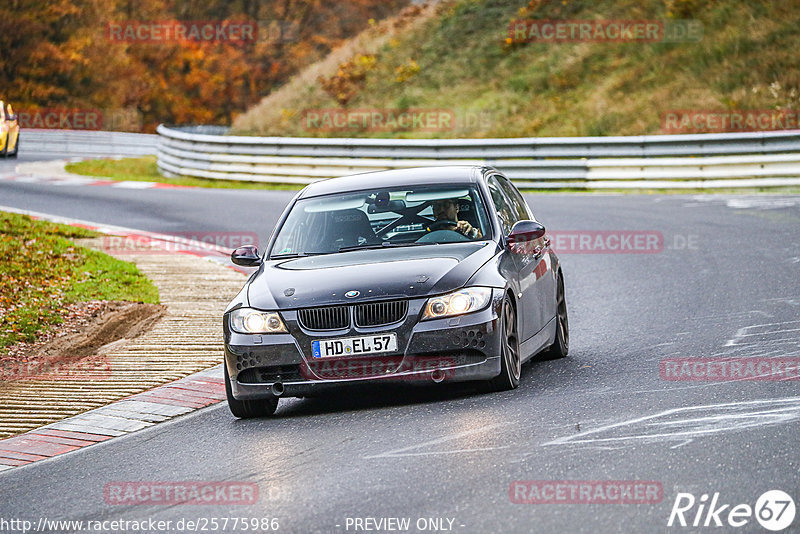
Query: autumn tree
(59, 54)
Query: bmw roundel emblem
(352, 294)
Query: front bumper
(454, 349)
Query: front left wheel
(560, 347)
(247, 409)
(510, 360)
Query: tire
(510, 359)
(560, 347)
(246, 409)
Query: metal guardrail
(85, 143)
(672, 161)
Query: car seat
(349, 227)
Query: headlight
(250, 321)
(467, 300)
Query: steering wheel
(442, 224)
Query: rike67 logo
(774, 510)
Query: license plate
(354, 346)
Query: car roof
(456, 174)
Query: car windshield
(424, 215)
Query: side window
(505, 212)
(517, 202)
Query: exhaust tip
(277, 389)
(437, 376)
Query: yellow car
(9, 131)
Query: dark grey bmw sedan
(425, 275)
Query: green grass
(144, 169)
(746, 59)
(42, 271)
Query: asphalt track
(723, 285)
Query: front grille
(381, 313)
(331, 318)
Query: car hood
(376, 274)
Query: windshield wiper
(385, 244)
(286, 256)
(297, 255)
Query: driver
(447, 210)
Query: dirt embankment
(89, 329)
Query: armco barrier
(758, 159)
(84, 143)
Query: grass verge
(42, 271)
(144, 169)
(464, 61)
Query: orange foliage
(59, 54)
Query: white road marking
(444, 439)
(767, 329)
(722, 418)
(761, 202)
(792, 301)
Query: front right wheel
(247, 409)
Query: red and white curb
(133, 413)
(167, 243)
(120, 418)
(53, 173)
(80, 181)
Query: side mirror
(246, 256)
(522, 234)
